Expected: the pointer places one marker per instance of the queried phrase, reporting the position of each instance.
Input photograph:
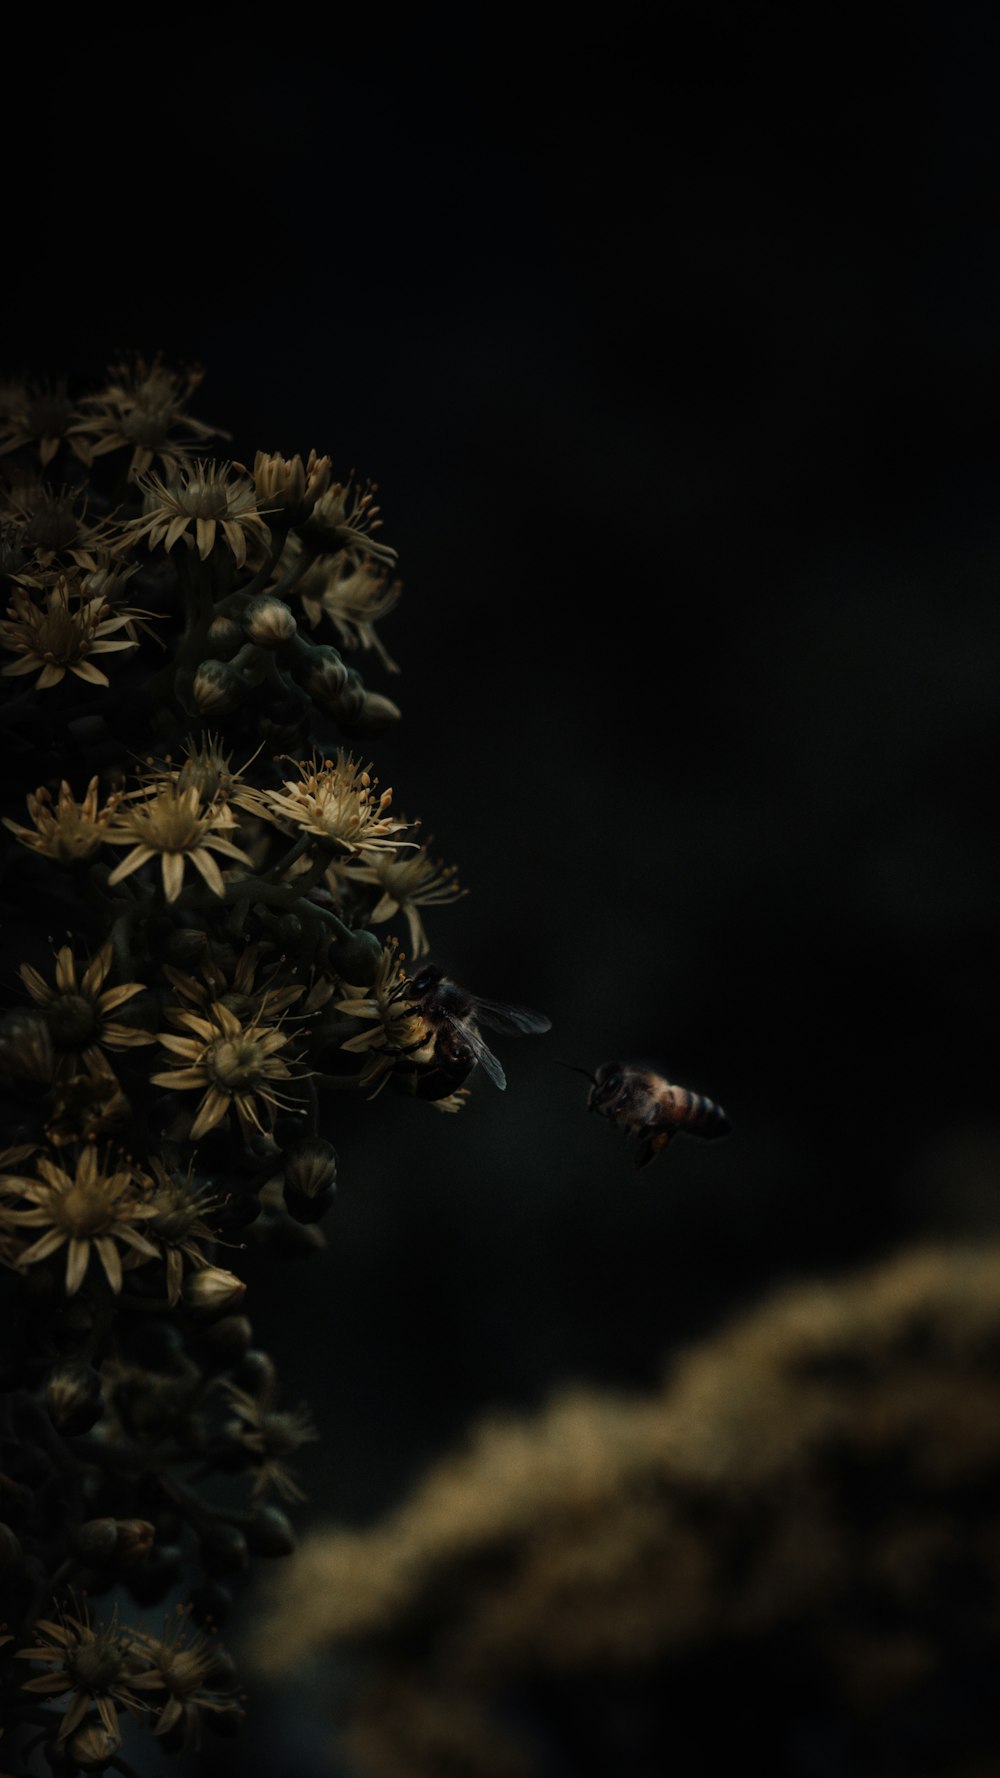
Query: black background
(677, 362)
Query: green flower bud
(310, 1166)
(216, 688)
(93, 1747)
(268, 622)
(213, 1290)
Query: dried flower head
(233, 1064)
(177, 827)
(143, 409)
(354, 597)
(76, 1009)
(336, 799)
(43, 417)
(62, 636)
(207, 498)
(97, 1663)
(89, 1211)
(408, 882)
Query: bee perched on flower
(397, 1027)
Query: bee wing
(482, 1052)
(516, 1021)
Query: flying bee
(643, 1104)
(454, 1016)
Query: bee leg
(649, 1144)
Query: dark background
(677, 364)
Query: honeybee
(454, 1016)
(643, 1104)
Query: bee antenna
(575, 1069)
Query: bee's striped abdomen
(698, 1116)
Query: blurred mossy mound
(794, 1548)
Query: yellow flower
(62, 637)
(232, 1063)
(270, 1435)
(183, 1663)
(178, 1222)
(239, 992)
(87, 1105)
(354, 599)
(76, 1011)
(43, 417)
(290, 484)
(397, 1028)
(65, 830)
(208, 498)
(344, 519)
(336, 800)
(87, 1212)
(143, 409)
(408, 883)
(171, 824)
(52, 525)
(97, 1663)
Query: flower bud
(97, 1540)
(325, 676)
(224, 1343)
(377, 714)
(223, 1549)
(93, 1747)
(211, 1603)
(270, 1533)
(216, 688)
(268, 622)
(257, 1373)
(11, 1553)
(135, 1540)
(224, 639)
(26, 1047)
(310, 1166)
(213, 1290)
(73, 1399)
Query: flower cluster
(203, 867)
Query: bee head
(608, 1080)
(427, 979)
